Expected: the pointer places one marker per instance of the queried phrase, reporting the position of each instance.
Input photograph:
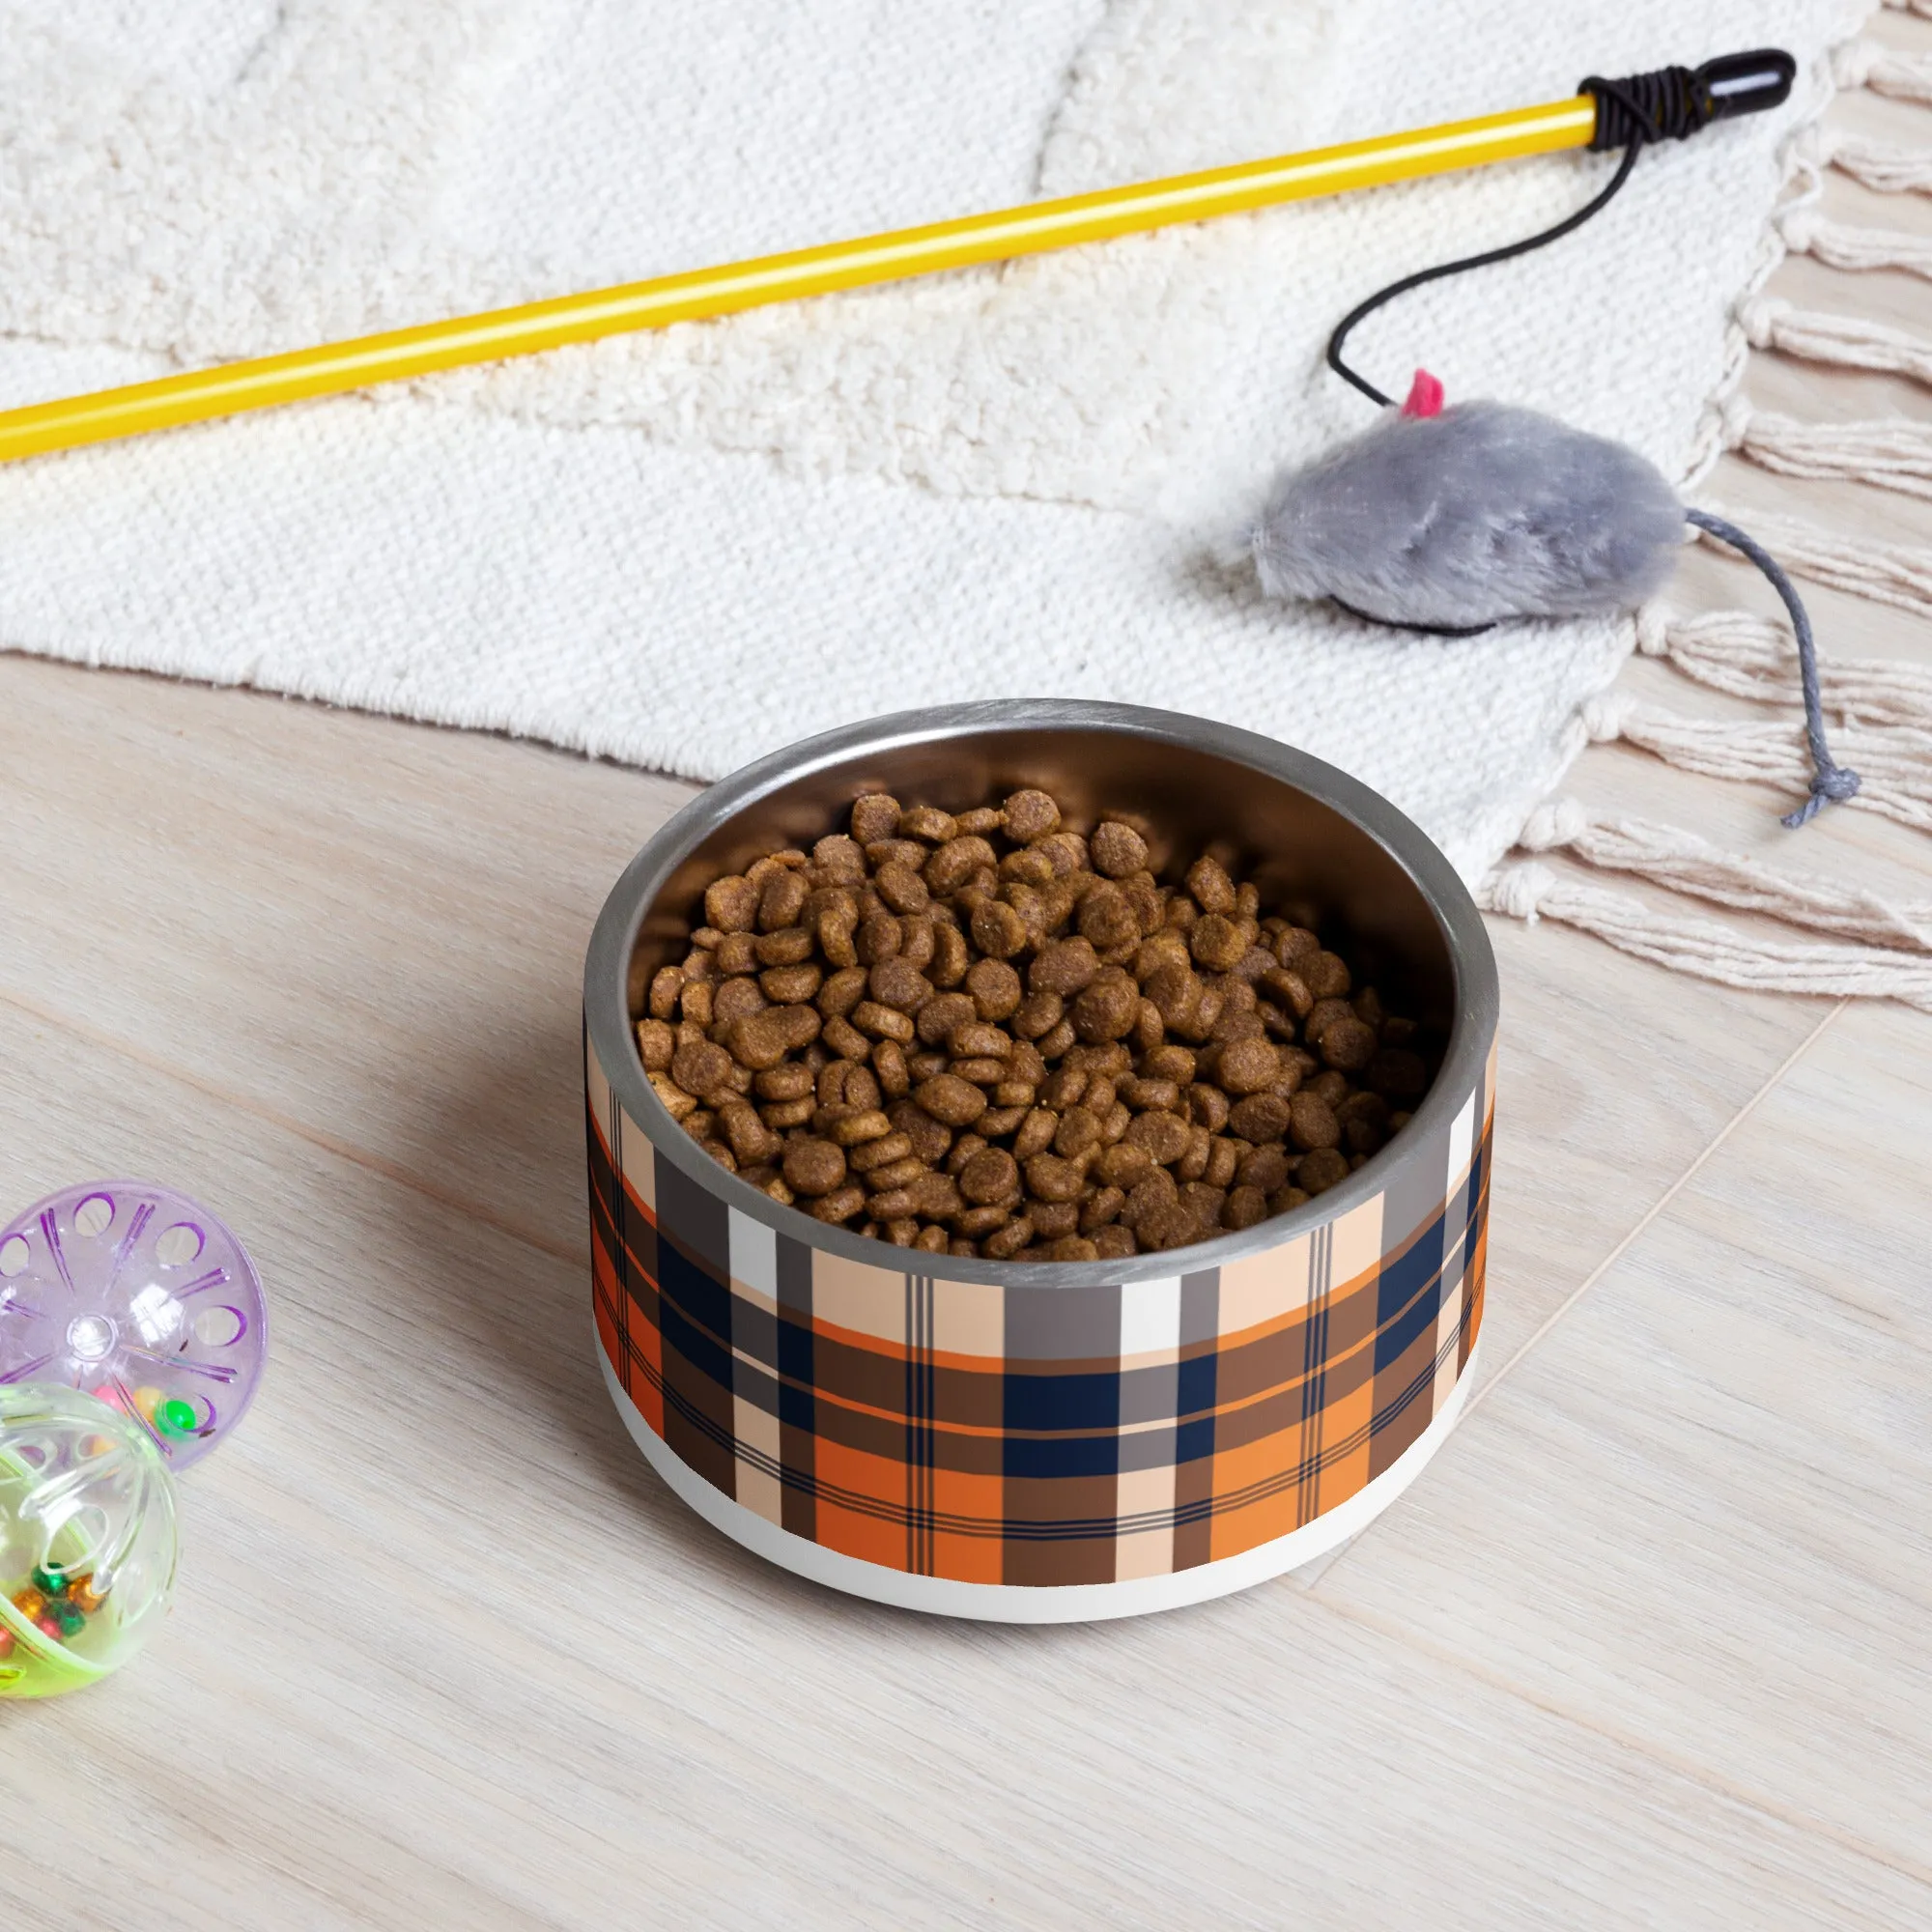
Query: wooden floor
(1646, 1646)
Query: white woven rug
(686, 549)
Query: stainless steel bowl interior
(1319, 846)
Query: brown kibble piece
(1348, 1045)
(898, 983)
(1037, 1014)
(1248, 1066)
(839, 1206)
(991, 1175)
(1163, 1137)
(1005, 1242)
(1064, 967)
(1036, 1132)
(995, 988)
(1320, 1170)
(1029, 815)
(1124, 1164)
(903, 889)
(782, 902)
(1049, 1178)
(814, 1166)
(954, 863)
(1209, 885)
(1116, 850)
(731, 904)
(1243, 1207)
(1107, 919)
(879, 1021)
(1264, 1167)
(656, 1043)
(1107, 1008)
(1115, 1243)
(1327, 974)
(997, 929)
(1260, 1117)
(867, 1125)
(1312, 1122)
(874, 816)
(787, 985)
(871, 1155)
(702, 1067)
(1216, 943)
(950, 1101)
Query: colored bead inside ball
(88, 1539)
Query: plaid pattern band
(1029, 1435)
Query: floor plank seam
(345, 1151)
(1686, 1768)
(1772, 1082)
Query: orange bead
(29, 1602)
(81, 1594)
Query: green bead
(70, 1619)
(48, 1580)
(175, 1417)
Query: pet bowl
(1034, 1441)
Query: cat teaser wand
(1597, 117)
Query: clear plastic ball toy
(87, 1539)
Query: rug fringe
(1686, 864)
(1894, 454)
(1895, 574)
(1880, 165)
(1882, 70)
(1856, 251)
(1747, 656)
(1895, 765)
(1526, 890)
(1845, 341)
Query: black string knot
(1670, 104)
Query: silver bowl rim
(1473, 962)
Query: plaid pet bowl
(1047, 1441)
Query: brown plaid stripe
(1014, 1435)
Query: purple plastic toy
(135, 1295)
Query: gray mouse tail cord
(1671, 104)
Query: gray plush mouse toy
(1455, 519)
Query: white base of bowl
(1030, 1603)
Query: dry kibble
(997, 929)
(1327, 974)
(874, 816)
(1027, 815)
(814, 1166)
(1107, 1008)
(903, 889)
(991, 1034)
(656, 1043)
(736, 953)
(1248, 1066)
(1064, 967)
(1117, 850)
(950, 1101)
(731, 905)
(1312, 1122)
(1216, 943)
(1209, 887)
(1348, 1045)
(1243, 1207)
(1320, 1170)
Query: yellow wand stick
(389, 357)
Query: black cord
(1482, 261)
(1621, 113)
